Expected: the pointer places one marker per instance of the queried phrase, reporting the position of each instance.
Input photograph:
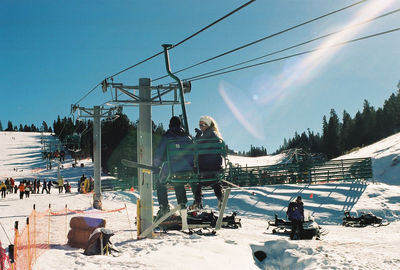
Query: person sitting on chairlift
(209, 164)
(175, 134)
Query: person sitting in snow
(295, 213)
(175, 134)
(67, 187)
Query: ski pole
(5, 233)
(239, 187)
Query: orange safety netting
(47, 229)
(4, 259)
(32, 241)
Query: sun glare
(304, 70)
(273, 90)
(246, 117)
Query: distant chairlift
(73, 142)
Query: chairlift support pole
(97, 157)
(96, 114)
(145, 153)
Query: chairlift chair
(73, 142)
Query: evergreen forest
(340, 135)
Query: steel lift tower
(147, 97)
(96, 113)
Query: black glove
(198, 132)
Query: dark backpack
(99, 240)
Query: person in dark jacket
(38, 186)
(45, 187)
(49, 185)
(175, 134)
(209, 164)
(295, 213)
(81, 180)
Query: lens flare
(308, 67)
(247, 115)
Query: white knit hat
(206, 119)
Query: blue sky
(54, 52)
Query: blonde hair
(213, 125)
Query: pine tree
(45, 127)
(369, 119)
(331, 135)
(1, 126)
(345, 132)
(9, 126)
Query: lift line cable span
(197, 78)
(264, 38)
(87, 94)
(295, 46)
(184, 40)
(177, 44)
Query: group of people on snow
(209, 164)
(55, 154)
(27, 187)
(7, 186)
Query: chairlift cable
(87, 94)
(217, 21)
(184, 40)
(293, 55)
(264, 38)
(297, 45)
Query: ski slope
(341, 248)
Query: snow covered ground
(341, 248)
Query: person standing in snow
(8, 185)
(21, 188)
(34, 186)
(45, 187)
(38, 186)
(49, 185)
(295, 213)
(28, 188)
(177, 134)
(60, 184)
(210, 164)
(12, 183)
(3, 189)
